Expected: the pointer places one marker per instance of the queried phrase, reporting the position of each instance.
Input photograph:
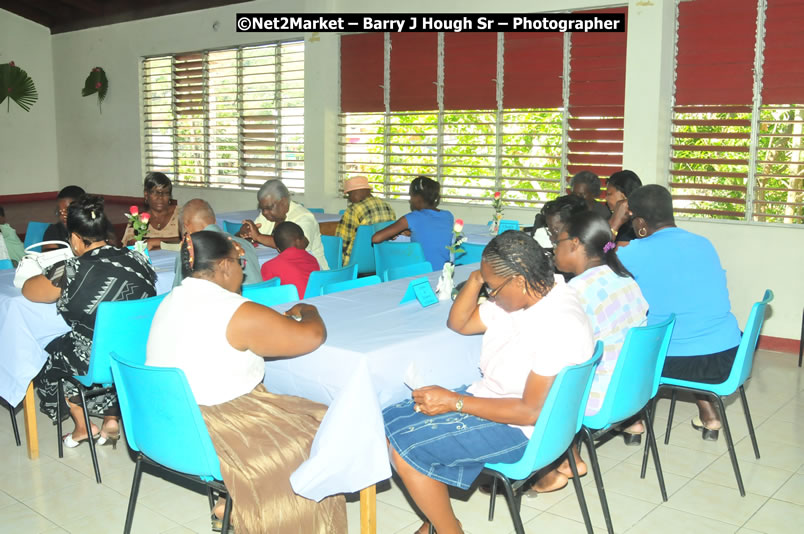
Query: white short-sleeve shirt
(552, 334)
(189, 332)
(306, 220)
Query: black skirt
(708, 368)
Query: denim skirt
(452, 447)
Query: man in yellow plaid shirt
(363, 209)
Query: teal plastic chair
(414, 269)
(554, 433)
(389, 254)
(351, 284)
(120, 324)
(341, 212)
(507, 224)
(231, 227)
(740, 371)
(271, 295)
(333, 250)
(315, 210)
(165, 429)
(472, 254)
(634, 382)
(271, 282)
(6, 264)
(35, 233)
(362, 250)
(319, 279)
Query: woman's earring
(642, 232)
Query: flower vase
(445, 282)
(494, 226)
(142, 248)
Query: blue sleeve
(413, 218)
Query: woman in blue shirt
(679, 272)
(428, 225)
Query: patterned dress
(614, 304)
(105, 274)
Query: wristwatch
(459, 404)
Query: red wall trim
(51, 195)
(28, 197)
(779, 344)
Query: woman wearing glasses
(533, 326)
(163, 227)
(219, 339)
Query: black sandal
(708, 434)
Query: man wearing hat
(363, 209)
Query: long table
(27, 327)
(372, 341)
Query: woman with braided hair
(533, 326)
(614, 304)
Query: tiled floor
(51, 495)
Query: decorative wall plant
(16, 85)
(96, 82)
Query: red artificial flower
(134, 210)
(145, 217)
(12, 64)
(497, 194)
(97, 85)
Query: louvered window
(737, 123)
(481, 112)
(230, 118)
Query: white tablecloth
(239, 216)
(371, 341)
(27, 327)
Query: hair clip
(92, 214)
(608, 246)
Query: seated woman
(612, 301)
(58, 230)
(428, 225)
(679, 272)
(533, 326)
(618, 188)
(219, 339)
(555, 214)
(98, 273)
(163, 227)
(586, 185)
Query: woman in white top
(219, 339)
(533, 326)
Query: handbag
(35, 263)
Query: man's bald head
(196, 215)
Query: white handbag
(35, 263)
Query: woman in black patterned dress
(98, 273)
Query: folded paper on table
(356, 406)
(421, 290)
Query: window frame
(297, 185)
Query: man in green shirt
(363, 209)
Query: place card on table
(421, 290)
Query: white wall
(103, 152)
(28, 140)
